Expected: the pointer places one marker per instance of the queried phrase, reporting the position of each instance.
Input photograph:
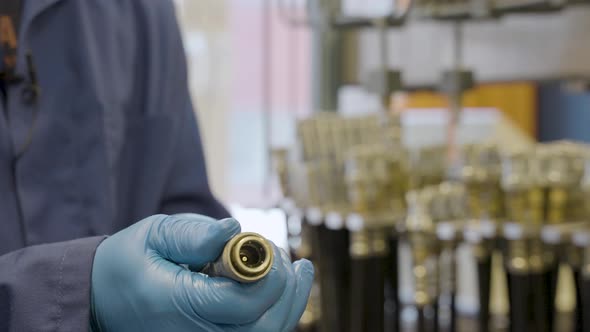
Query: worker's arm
(47, 287)
(133, 282)
(138, 284)
(187, 187)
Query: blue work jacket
(111, 139)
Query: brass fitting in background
(517, 251)
(280, 165)
(481, 174)
(365, 243)
(565, 177)
(421, 235)
(359, 244)
(565, 242)
(524, 183)
(376, 180)
(428, 166)
(518, 186)
(448, 212)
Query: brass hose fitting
(421, 235)
(517, 255)
(247, 258)
(280, 161)
(517, 184)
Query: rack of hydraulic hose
(355, 197)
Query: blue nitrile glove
(138, 284)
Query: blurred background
(228, 55)
(464, 102)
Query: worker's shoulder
(166, 8)
(125, 11)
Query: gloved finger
(304, 274)
(276, 317)
(285, 314)
(190, 238)
(225, 301)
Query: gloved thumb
(191, 239)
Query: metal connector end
(248, 257)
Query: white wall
(517, 46)
(226, 53)
(205, 29)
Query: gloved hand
(138, 284)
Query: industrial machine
(366, 209)
(361, 206)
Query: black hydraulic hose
(585, 297)
(392, 303)
(484, 277)
(311, 229)
(550, 289)
(518, 296)
(450, 293)
(453, 312)
(579, 311)
(427, 319)
(391, 311)
(539, 302)
(447, 299)
(368, 273)
(375, 295)
(435, 315)
(334, 279)
(358, 282)
(422, 320)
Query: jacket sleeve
(187, 187)
(47, 287)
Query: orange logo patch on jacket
(8, 40)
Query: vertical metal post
(456, 92)
(457, 67)
(327, 46)
(383, 59)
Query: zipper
(19, 207)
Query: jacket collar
(31, 9)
